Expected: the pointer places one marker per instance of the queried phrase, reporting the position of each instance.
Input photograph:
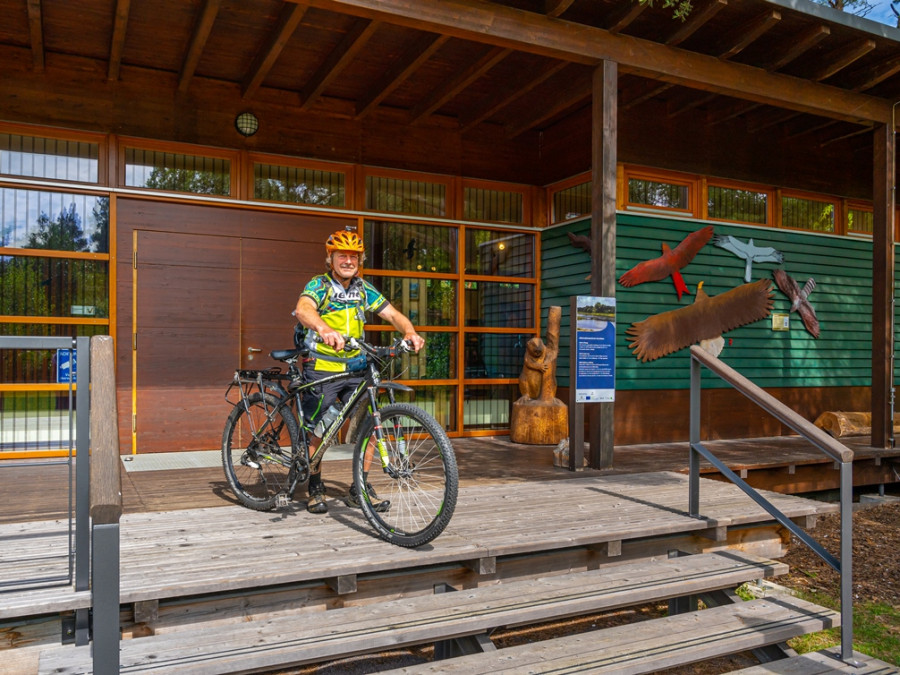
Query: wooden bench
(288, 640)
(819, 663)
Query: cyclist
(333, 305)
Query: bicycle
(266, 439)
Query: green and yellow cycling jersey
(344, 310)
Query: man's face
(344, 264)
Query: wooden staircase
(460, 622)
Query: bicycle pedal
(250, 463)
(282, 500)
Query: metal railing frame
(840, 453)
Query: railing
(828, 445)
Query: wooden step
(288, 640)
(649, 646)
(821, 663)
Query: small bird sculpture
(704, 321)
(580, 241)
(748, 251)
(799, 299)
(669, 263)
(410, 249)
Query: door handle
(250, 350)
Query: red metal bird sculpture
(669, 263)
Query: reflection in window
(499, 253)
(494, 355)
(807, 214)
(54, 158)
(58, 287)
(399, 195)
(177, 172)
(499, 304)
(488, 406)
(297, 185)
(499, 206)
(572, 202)
(427, 302)
(653, 193)
(744, 206)
(412, 247)
(860, 220)
(54, 221)
(435, 361)
(439, 401)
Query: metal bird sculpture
(799, 299)
(669, 263)
(748, 251)
(580, 241)
(705, 320)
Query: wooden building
(169, 170)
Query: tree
(63, 234)
(857, 7)
(681, 8)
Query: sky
(882, 13)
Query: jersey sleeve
(374, 301)
(316, 290)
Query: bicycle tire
(258, 469)
(423, 497)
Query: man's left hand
(415, 340)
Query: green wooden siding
(842, 299)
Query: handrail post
(82, 480)
(694, 456)
(847, 561)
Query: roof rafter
(626, 16)
(350, 45)
(36, 31)
(577, 89)
(806, 41)
(556, 7)
(288, 20)
(535, 33)
(696, 20)
(117, 45)
(741, 39)
(198, 41)
(842, 58)
(878, 74)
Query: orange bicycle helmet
(342, 240)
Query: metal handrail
(828, 445)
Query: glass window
(58, 287)
(177, 172)
(427, 302)
(492, 205)
(439, 401)
(572, 202)
(860, 220)
(435, 361)
(655, 193)
(495, 355)
(412, 247)
(499, 253)
(743, 206)
(488, 406)
(54, 158)
(35, 421)
(499, 305)
(402, 195)
(807, 214)
(54, 221)
(277, 183)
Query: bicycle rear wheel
(422, 484)
(257, 451)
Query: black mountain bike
(400, 451)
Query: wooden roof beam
(288, 20)
(536, 34)
(770, 119)
(731, 110)
(841, 59)
(626, 15)
(690, 101)
(347, 49)
(117, 46)
(842, 137)
(458, 83)
(806, 41)
(513, 92)
(418, 53)
(651, 89)
(202, 29)
(746, 35)
(554, 8)
(36, 31)
(576, 90)
(878, 74)
(695, 21)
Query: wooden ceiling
(496, 83)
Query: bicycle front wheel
(420, 483)
(257, 451)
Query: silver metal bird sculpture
(799, 299)
(748, 251)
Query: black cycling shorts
(318, 398)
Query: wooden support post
(482, 566)
(603, 232)
(883, 286)
(343, 584)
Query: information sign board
(595, 347)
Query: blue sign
(595, 349)
(66, 366)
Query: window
(572, 202)
(410, 247)
(406, 195)
(737, 204)
(860, 219)
(177, 172)
(501, 206)
(59, 159)
(57, 221)
(499, 253)
(645, 189)
(298, 185)
(803, 213)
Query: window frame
(691, 181)
(497, 186)
(814, 197)
(34, 131)
(347, 170)
(236, 177)
(769, 191)
(451, 188)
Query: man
(333, 305)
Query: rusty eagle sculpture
(704, 320)
(669, 263)
(799, 298)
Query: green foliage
(681, 8)
(189, 180)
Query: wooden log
(538, 422)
